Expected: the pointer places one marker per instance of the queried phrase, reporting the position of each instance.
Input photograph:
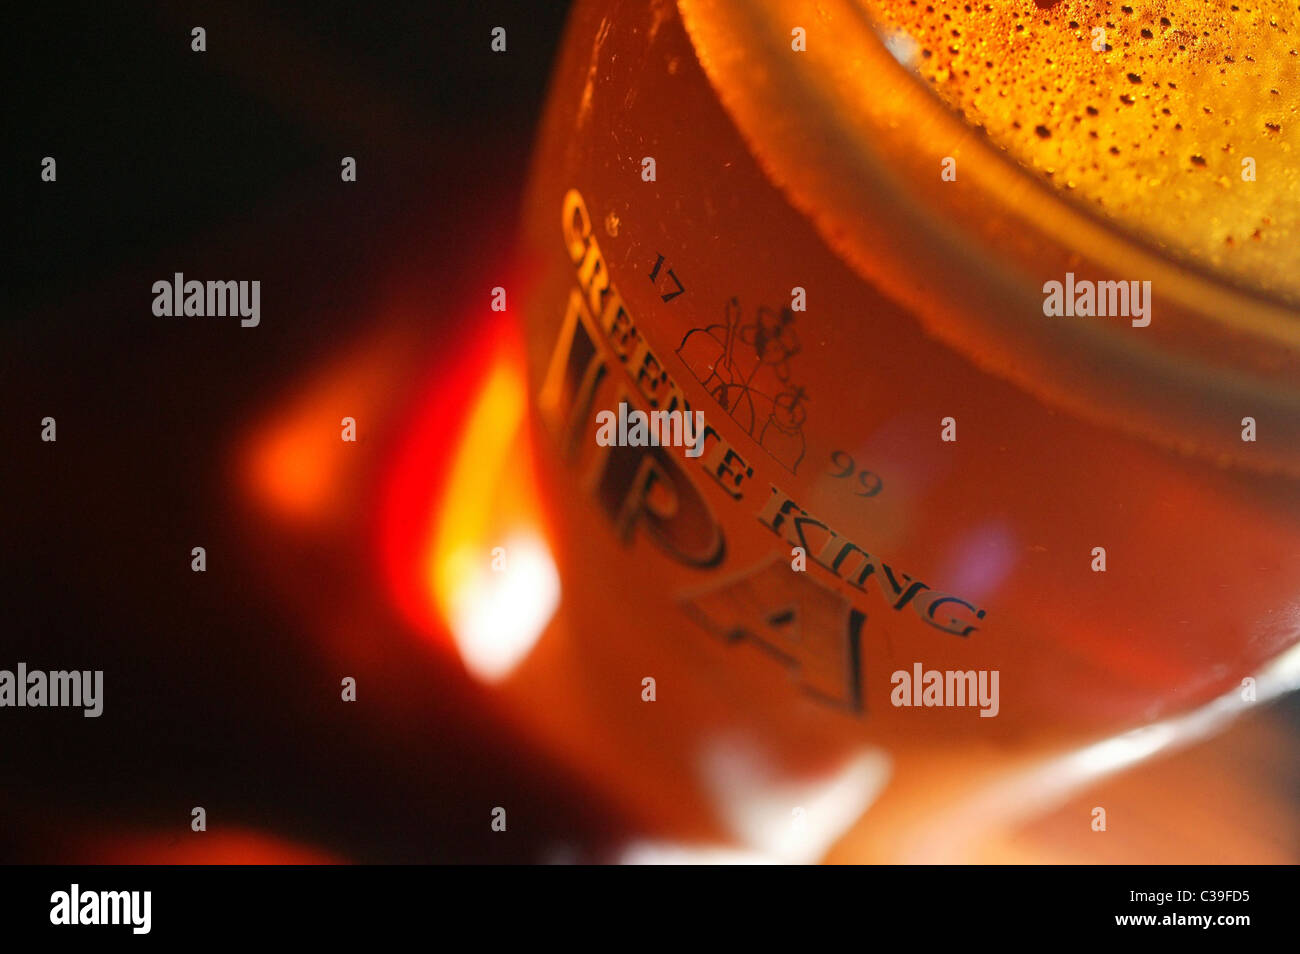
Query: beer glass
(948, 550)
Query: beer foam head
(1146, 111)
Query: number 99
(869, 481)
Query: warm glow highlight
(297, 464)
(461, 488)
(497, 601)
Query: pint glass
(946, 552)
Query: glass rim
(861, 160)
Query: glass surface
(829, 419)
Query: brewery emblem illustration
(746, 368)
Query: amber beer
(820, 224)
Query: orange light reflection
(464, 541)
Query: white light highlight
(671, 853)
(794, 820)
(902, 47)
(497, 616)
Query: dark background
(225, 164)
